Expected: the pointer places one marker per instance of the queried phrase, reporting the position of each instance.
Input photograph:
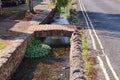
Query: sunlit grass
(88, 66)
(3, 45)
(84, 42)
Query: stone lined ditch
(53, 67)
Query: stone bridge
(52, 30)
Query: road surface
(105, 17)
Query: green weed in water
(36, 48)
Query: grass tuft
(3, 45)
(84, 42)
(88, 66)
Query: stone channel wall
(76, 60)
(48, 19)
(14, 53)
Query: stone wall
(76, 60)
(13, 55)
(49, 17)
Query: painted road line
(101, 46)
(94, 45)
(93, 41)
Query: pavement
(105, 17)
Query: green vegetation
(61, 5)
(64, 6)
(84, 42)
(88, 64)
(36, 48)
(3, 45)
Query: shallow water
(57, 41)
(62, 19)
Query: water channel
(53, 67)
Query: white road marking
(94, 45)
(100, 43)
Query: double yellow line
(91, 28)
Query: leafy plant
(36, 48)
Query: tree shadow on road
(104, 23)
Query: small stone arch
(52, 30)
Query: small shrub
(36, 48)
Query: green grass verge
(88, 64)
(3, 45)
(84, 42)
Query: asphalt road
(105, 16)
